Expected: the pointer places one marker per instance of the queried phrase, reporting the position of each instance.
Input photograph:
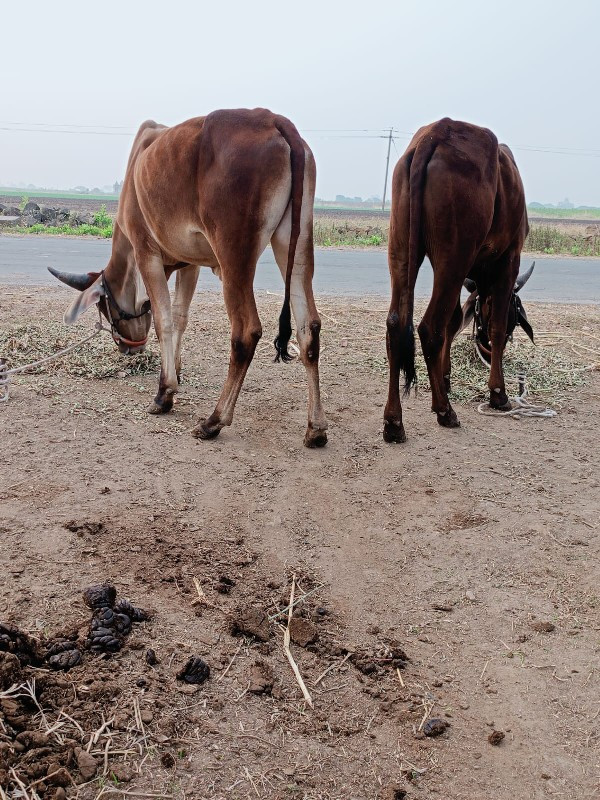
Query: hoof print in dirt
(261, 678)
(302, 631)
(435, 727)
(250, 622)
(224, 585)
(195, 670)
(496, 737)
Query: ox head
(474, 308)
(129, 319)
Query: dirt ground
(474, 551)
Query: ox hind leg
(186, 279)
(501, 293)
(308, 322)
(439, 321)
(451, 331)
(246, 330)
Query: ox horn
(74, 279)
(523, 278)
(469, 285)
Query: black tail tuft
(406, 354)
(285, 334)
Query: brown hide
(457, 197)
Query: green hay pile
(550, 374)
(98, 358)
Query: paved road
(23, 262)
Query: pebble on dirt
(435, 727)
(543, 627)
(496, 737)
(87, 765)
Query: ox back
(457, 197)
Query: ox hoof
(160, 408)
(500, 402)
(315, 438)
(448, 419)
(393, 433)
(205, 431)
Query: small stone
(470, 595)
(87, 765)
(496, 737)
(146, 716)
(435, 727)
(543, 627)
(151, 657)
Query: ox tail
(297, 164)
(406, 336)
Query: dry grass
(99, 358)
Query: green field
(564, 213)
(56, 195)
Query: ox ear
(89, 297)
(523, 278)
(524, 323)
(470, 285)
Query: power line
(326, 133)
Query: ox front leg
(153, 273)
(501, 296)
(246, 331)
(185, 285)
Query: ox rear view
(213, 191)
(457, 197)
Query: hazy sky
(526, 69)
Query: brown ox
(213, 191)
(457, 197)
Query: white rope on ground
(5, 374)
(522, 408)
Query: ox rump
(212, 191)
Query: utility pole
(387, 167)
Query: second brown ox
(457, 197)
(213, 191)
